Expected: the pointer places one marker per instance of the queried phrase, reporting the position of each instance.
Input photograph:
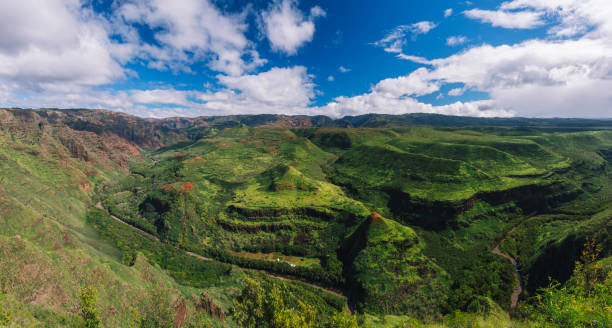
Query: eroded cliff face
(51, 131)
(533, 198)
(99, 137)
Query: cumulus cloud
(395, 40)
(448, 12)
(279, 90)
(47, 49)
(516, 75)
(192, 30)
(291, 87)
(575, 16)
(52, 44)
(506, 19)
(344, 69)
(416, 83)
(456, 92)
(397, 96)
(375, 103)
(286, 27)
(456, 40)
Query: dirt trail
(100, 206)
(518, 288)
(272, 274)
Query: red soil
(84, 185)
(166, 187)
(285, 186)
(181, 313)
(194, 160)
(188, 186)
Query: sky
(165, 58)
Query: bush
(88, 299)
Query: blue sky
(159, 58)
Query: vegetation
(275, 305)
(584, 301)
(89, 307)
(371, 221)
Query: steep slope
(49, 174)
(388, 272)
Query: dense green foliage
(271, 304)
(391, 271)
(584, 301)
(89, 307)
(186, 269)
(212, 221)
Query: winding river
(518, 288)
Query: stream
(518, 288)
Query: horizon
(157, 59)
(321, 115)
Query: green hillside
(281, 221)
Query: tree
(584, 301)
(344, 320)
(249, 305)
(587, 270)
(89, 306)
(259, 307)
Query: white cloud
(575, 16)
(52, 44)
(525, 77)
(539, 77)
(505, 19)
(53, 53)
(395, 40)
(415, 84)
(160, 96)
(286, 27)
(448, 12)
(192, 30)
(416, 59)
(456, 40)
(422, 27)
(456, 92)
(330, 78)
(376, 103)
(289, 87)
(279, 90)
(396, 96)
(344, 69)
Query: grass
(249, 195)
(49, 251)
(275, 256)
(387, 264)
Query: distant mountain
(154, 132)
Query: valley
(373, 221)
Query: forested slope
(383, 216)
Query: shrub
(88, 298)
